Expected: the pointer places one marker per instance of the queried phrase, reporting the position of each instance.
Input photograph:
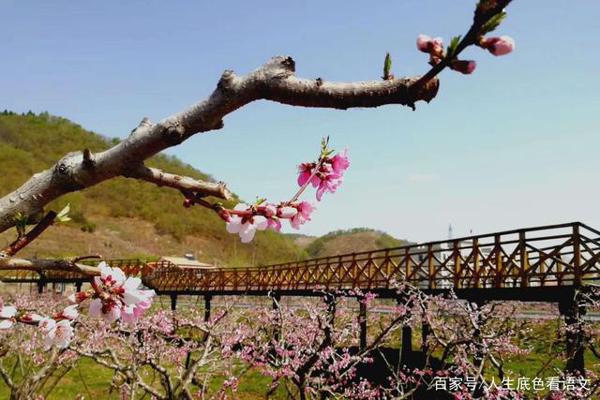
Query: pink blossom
(57, 334)
(113, 291)
(329, 183)
(329, 175)
(110, 311)
(305, 171)
(286, 212)
(7, 314)
(498, 46)
(132, 313)
(274, 223)
(305, 209)
(340, 162)
(70, 312)
(246, 227)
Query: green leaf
(493, 23)
(387, 66)
(452, 47)
(324, 147)
(20, 223)
(63, 215)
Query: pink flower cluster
(498, 46)
(7, 316)
(325, 175)
(245, 219)
(57, 331)
(115, 296)
(435, 48)
(432, 46)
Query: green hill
(122, 217)
(346, 241)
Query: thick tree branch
(273, 81)
(182, 183)
(40, 265)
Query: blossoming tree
(300, 351)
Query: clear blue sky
(515, 144)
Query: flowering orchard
(306, 348)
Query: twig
(30, 236)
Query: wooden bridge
(544, 260)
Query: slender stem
(303, 187)
(249, 213)
(37, 230)
(468, 39)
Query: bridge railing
(555, 255)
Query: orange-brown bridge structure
(545, 263)
(521, 264)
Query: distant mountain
(346, 241)
(122, 217)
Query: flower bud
(498, 46)
(463, 66)
(287, 212)
(433, 46)
(268, 210)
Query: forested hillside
(121, 217)
(347, 241)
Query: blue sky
(515, 144)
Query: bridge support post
(207, 299)
(173, 302)
(41, 285)
(331, 302)
(275, 299)
(573, 312)
(478, 358)
(78, 286)
(362, 319)
(425, 331)
(406, 349)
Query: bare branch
(40, 265)
(274, 81)
(183, 183)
